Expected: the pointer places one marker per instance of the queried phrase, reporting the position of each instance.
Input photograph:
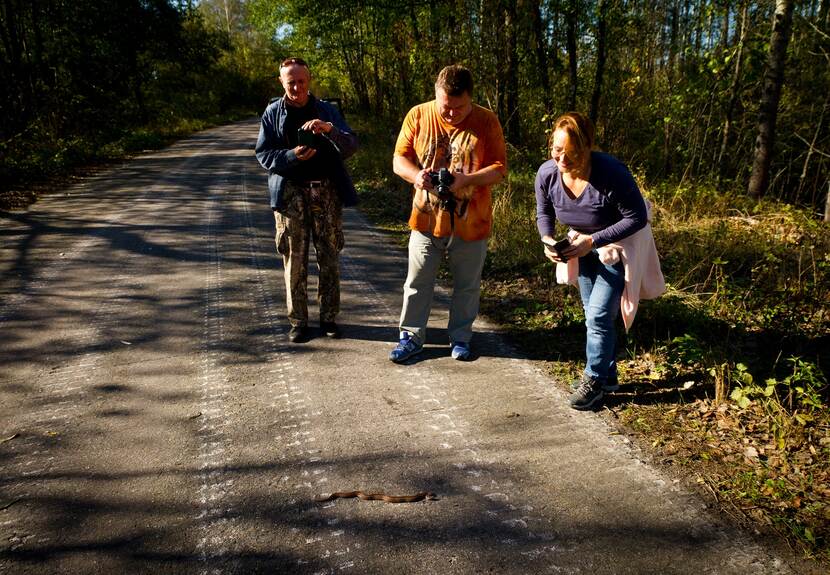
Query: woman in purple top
(595, 195)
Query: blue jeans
(601, 287)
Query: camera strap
(450, 206)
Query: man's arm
(408, 170)
(495, 162)
(486, 176)
(338, 131)
(270, 153)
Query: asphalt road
(154, 417)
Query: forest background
(720, 108)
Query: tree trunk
(768, 112)
(572, 23)
(514, 127)
(803, 178)
(733, 93)
(674, 17)
(355, 66)
(602, 29)
(827, 204)
(674, 27)
(541, 53)
(724, 30)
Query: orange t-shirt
(431, 143)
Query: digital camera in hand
(305, 138)
(441, 181)
(558, 246)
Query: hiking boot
(611, 384)
(406, 348)
(587, 395)
(330, 329)
(461, 351)
(298, 334)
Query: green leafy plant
(686, 350)
(804, 388)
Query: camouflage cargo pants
(311, 214)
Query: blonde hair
(580, 130)
(455, 80)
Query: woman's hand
(581, 244)
(550, 253)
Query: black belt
(311, 184)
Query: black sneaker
(330, 329)
(587, 395)
(611, 384)
(298, 334)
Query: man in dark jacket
(303, 143)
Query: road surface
(154, 417)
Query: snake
(423, 495)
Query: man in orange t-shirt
(454, 133)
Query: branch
(816, 150)
(816, 28)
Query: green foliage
(747, 389)
(112, 78)
(384, 197)
(514, 243)
(674, 76)
(790, 404)
(804, 388)
(686, 350)
(761, 266)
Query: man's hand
(462, 186)
(423, 180)
(304, 153)
(317, 126)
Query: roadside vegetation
(86, 83)
(723, 378)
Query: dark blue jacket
(276, 156)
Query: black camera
(441, 181)
(305, 138)
(558, 246)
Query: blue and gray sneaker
(406, 348)
(461, 351)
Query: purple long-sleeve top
(609, 209)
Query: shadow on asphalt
(459, 520)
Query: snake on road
(423, 495)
